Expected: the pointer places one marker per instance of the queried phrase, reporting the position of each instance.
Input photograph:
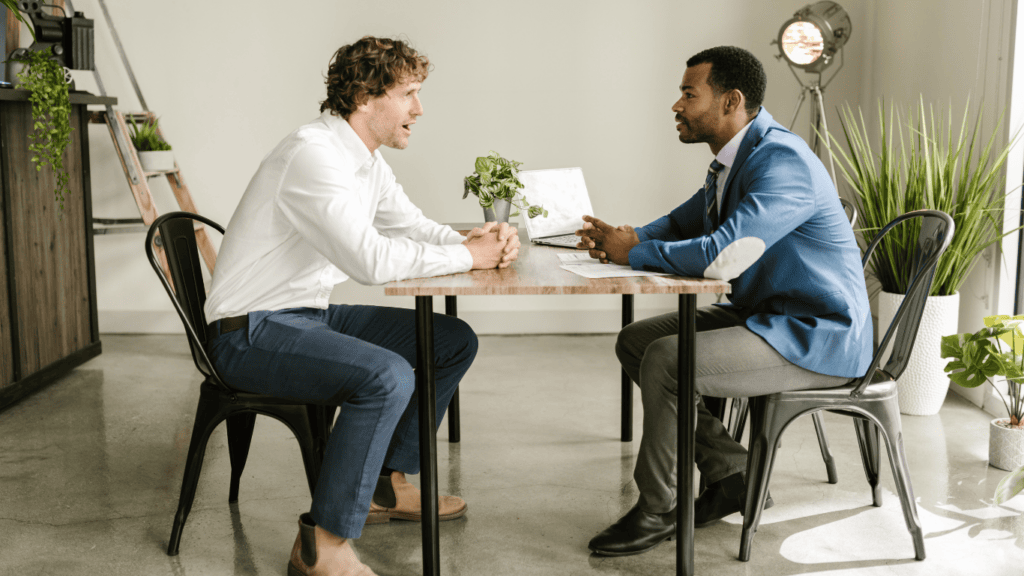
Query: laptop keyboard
(569, 240)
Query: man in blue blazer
(768, 220)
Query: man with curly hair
(323, 207)
(769, 221)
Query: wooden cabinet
(47, 269)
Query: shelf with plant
(46, 80)
(147, 140)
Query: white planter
(922, 386)
(1005, 445)
(157, 160)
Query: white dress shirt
(319, 210)
(726, 157)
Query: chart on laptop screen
(563, 193)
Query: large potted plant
(924, 163)
(496, 186)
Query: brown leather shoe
(396, 498)
(336, 558)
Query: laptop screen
(562, 192)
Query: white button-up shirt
(321, 209)
(727, 156)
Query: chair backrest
(851, 211)
(185, 287)
(936, 233)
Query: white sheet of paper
(581, 263)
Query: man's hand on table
(493, 246)
(605, 242)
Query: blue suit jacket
(806, 292)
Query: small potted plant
(995, 351)
(154, 152)
(496, 186)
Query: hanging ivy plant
(51, 115)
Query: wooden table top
(537, 271)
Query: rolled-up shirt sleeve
(328, 202)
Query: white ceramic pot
(922, 386)
(157, 160)
(1005, 445)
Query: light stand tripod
(819, 125)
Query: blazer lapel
(757, 130)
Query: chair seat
(838, 396)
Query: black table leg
(686, 376)
(627, 383)
(426, 389)
(454, 425)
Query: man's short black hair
(734, 68)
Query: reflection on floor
(90, 470)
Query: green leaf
(1010, 485)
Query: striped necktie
(710, 198)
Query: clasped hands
(493, 246)
(605, 242)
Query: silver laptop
(562, 192)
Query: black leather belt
(227, 325)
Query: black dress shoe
(636, 532)
(723, 498)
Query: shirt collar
(727, 155)
(349, 139)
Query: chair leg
(738, 417)
(867, 437)
(240, 426)
(826, 453)
(890, 423)
(208, 415)
(760, 458)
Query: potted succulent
(932, 166)
(47, 81)
(154, 152)
(995, 351)
(496, 186)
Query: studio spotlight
(809, 41)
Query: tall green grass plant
(919, 164)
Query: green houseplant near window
(924, 162)
(496, 186)
(997, 350)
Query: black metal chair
(871, 399)
(739, 410)
(218, 402)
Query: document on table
(581, 263)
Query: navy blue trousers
(361, 359)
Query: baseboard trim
(12, 393)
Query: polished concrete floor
(90, 470)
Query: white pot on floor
(1005, 444)
(922, 386)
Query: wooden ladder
(138, 182)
